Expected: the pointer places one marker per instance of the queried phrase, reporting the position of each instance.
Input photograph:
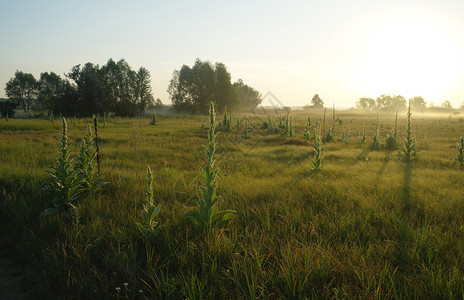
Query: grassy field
(369, 225)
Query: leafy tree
(398, 102)
(191, 89)
(119, 81)
(7, 107)
(366, 103)
(395, 102)
(224, 93)
(90, 89)
(158, 103)
(418, 103)
(143, 89)
(383, 101)
(446, 105)
(317, 101)
(22, 88)
(249, 98)
(50, 92)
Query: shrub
(7, 108)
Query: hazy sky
(342, 50)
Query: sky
(341, 50)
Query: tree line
(397, 102)
(86, 90)
(116, 88)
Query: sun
(410, 60)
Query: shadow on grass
(404, 255)
(384, 165)
(363, 154)
(406, 192)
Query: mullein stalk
(205, 217)
(317, 162)
(409, 145)
(460, 152)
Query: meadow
(368, 225)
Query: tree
(158, 103)
(192, 89)
(7, 107)
(383, 101)
(366, 103)
(395, 102)
(446, 105)
(418, 103)
(22, 88)
(119, 81)
(143, 89)
(398, 102)
(50, 91)
(224, 93)
(317, 101)
(248, 97)
(90, 89)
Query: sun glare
(410, 60)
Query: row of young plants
(75, 178)
(285, 126)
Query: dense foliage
(192, 89)
(86, 90)
(398, 102)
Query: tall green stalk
(150, 211)
(376, 138)
(66, 182)
(317, 162)
(154, 118)
(363, 136)
(206, 216)
(87, 166)
(409, 145)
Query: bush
(7, 108)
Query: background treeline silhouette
(116, 88)
(398, 102)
